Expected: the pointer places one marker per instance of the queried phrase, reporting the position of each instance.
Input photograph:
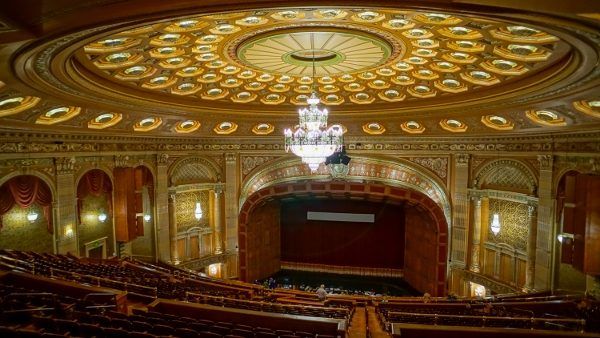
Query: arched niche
(506, 175)
(392, 172)
(436, 268)
(194, 169)
(26, 213)
(194, 203)
(95, 232)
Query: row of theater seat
(313, 311)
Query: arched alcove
(26, 219)
(95, 214)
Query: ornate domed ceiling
(380, 71)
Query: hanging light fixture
(198, 211)
(495, 225)
(311, 139)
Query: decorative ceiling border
(48, 144)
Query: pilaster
(231, 201)
(460, 203)
(476, 241)
(544, 241)
(531, 252)
(174, 257)
(65, 207)
(161, 216)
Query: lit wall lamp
(565, 237)
(32, 216)
(102, 217)
(69, 231)
(147, 217)
(495, 225)
(198, 211)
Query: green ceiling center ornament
(334, 52)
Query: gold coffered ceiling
(362, 56)
(381, 71)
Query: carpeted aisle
(358, 324)
(374, 325)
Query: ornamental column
(161, 205)
(231, 201)
(460, 211)
(218, 223)
(475, 242)
(173, 228)
(530, 270)
(544, 240)
(64, 208)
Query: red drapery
(96, 183)
(24, 191)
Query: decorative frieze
(251, 162)
(439, 165)
(64, 165)
(47, 143)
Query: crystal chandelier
(311, 139)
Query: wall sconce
(495, 225)
(147, 217)
(69, 231)
(198, 211)
(32, 216)
(565, 237)
(213, 269)
(102, 217)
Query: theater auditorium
(316, 169)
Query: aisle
(374, 325)
(358, 324)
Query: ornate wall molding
(64, 165)
(51, 143)
(489, 283)
(504, 195)
(251, 162)
(438, 165)
(206, 261)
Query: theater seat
(207, 334)
(186, 333)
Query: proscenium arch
(387, 171)
(375, 190)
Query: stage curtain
(24, 191)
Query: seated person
(321, 293)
